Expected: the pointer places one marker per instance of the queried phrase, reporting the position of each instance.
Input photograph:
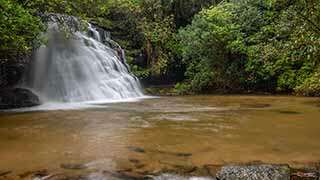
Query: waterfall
(76, 65)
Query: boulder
(74, 166)
(18, 98)
(254, 172)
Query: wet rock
(65, 177)
(38, 174)
(178, 154)
(125, 175)
(183, 154)
(289, 112)
(91, 176)
(134, 161)
(140, 166)
(18, 98)
(74, 166)
(136, 149)
(12, 67)
(202, 172)
(173, 168)
(73, 23)
(212, 169)
(3, 173)
(305, 174)
(41, 173)
(186, 169)
(177, 177)
(25, 174)
(254, 172)
(137, 163)
(256, 105)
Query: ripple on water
(139, 122)
(228, 133)
(175, 117)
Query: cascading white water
(80, 68)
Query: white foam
(58, 106)
(81, 68)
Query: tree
(211, 47)
(19, 29)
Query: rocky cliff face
(12, 69)
(71, 24)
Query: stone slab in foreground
(254, 172)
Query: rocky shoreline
(248, 171)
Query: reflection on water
(156, 133)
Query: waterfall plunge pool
(163, 133)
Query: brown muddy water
(153, 134)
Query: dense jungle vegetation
(202, 46)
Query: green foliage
(19, 29)
(249, 45)
(183, 11)
(158, 31)
(145, 28)
(121, 18)
(310, 86)
(285, 51)
(140, 72)
(155, 27)
(80, 8)
(211, 47)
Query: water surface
(153, 134)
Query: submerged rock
(255, 172)
(305, 176)
(3, 173)
(178, 154)
(177, 177)
(34, 174)
(255, 105)
(306, 173)
(74, 166)
(289, 112)
(18, 98)
(136, 149)
(124, 175)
